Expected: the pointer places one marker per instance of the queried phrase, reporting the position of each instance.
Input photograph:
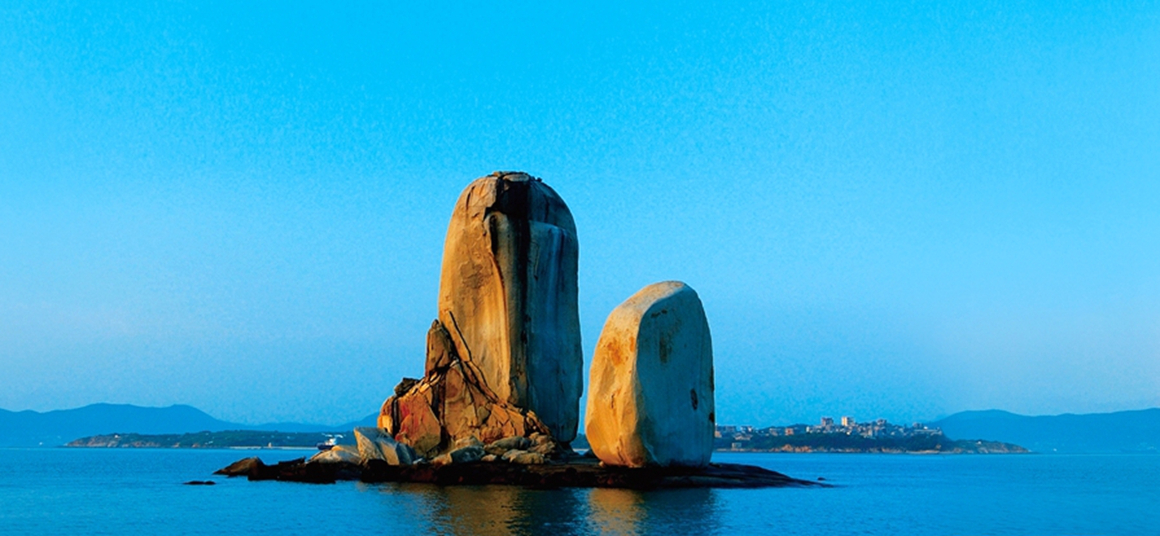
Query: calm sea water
(131, 491)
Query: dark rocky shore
(578, 473)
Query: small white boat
(328, 444)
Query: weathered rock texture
(508, 296)
(373, 444)
(650, 399)
(338, 454)
(451, 403)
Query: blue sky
(897, 210)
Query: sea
(141, 491)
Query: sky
(889, 210)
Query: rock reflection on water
(487, 510)
(616, 511)
(676, 511)
(498, 510)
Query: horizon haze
(888, 209)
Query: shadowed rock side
(508, 296)
(650, 399)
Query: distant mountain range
(54, 428)
(1122, 431)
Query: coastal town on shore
(848, 435)
(846, 425)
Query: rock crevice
(508, 295)
(504, 356)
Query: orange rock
(418, 425)
(508, 296)
(650, 396)
(452, 404)
(504, 356)
(440, 349)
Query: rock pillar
(650, 398)
(508, 296)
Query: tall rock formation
(504, 357)
(650, 398)
(508, 295)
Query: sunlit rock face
(338, 454)
(374, 444)
(450, 403)
(650, 399)
(508, 296)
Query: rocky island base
(581, 472)
(498, 402)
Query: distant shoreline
(931, 443)
(229, 440)
(880, 451)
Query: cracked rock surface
(508, 295)
(504, 357)
(650, 399)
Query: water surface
(113, 491)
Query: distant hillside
(1123, 431)
(212, 440)
(369, 420)
(53, 428)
